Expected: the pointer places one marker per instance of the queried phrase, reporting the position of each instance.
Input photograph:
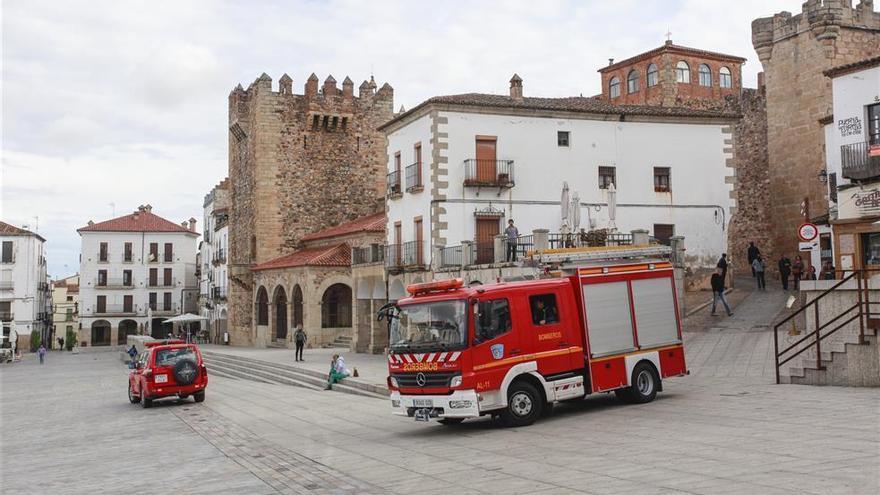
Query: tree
(36, 340)
(70, 339)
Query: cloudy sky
(111, 104)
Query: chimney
(148, 208)
(192, 224)
(516, 88)
(90, 223)
(184, 224)
(610, 61)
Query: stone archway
(100, 333)
(262, 306)
(157, 328)
(297, 306)
(126, 328)
(279, 302)
(336, 307)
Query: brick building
(672, 75)
(297, 164)
(794, 51)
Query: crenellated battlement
(823, 19)
(328, 91)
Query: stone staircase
(844, 362)
(244, 368)
(341, 342)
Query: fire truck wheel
(524, 405)
(644, 385)
(451, 421)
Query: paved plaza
(67, 427)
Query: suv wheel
(524, 405)
(199, 396)
(134, 399)
(146, 403)
(185, 371)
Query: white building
(461, 166)
(24, 289)
(213, 253)
(135, 271)
(852, 147)
(65, 310)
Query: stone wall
(297, 164)
(794, 51)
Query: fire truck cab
(512, 349)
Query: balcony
(6, 315)
(164, 309)
(160, 258)
(7, 284)
(488, 173)
(162, 283)
(860, 161)
(103, 257)
(367, 255)
(112, 310)
(219, 293)
(393, 184)
(114, 283)
(414, 178)
(219, 257)
(407, 255)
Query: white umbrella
(186, 319)
(612, 206)
(564, 203)
(575, 211)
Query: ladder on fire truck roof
(600, 254)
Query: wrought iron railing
(113, 309)
(367, 254)
(7, 316)
(7, 284)
(407, 254)
(114, 283)
(219, 256)
(489, 173)
(393, 183)
(451, 256)
(413, 176)
(857, 162)
(218, 293)
(162, 282)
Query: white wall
(26, 272)
(699, 204)
(851, 93)
(417, 204)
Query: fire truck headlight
(393, 382)
(461, 404)
(455, 382)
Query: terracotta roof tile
(139, 221)
(8, 229)
(576, 104)
(369, 223)
(336, 255)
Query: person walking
(717, 281)
(811, 273)
(753, 252)
(828, 271)
(722, 264)
(784, 270)
(797, 271)
(511, 233)
(41, 352)
(758, 268)
(299, 338)
(338, 371)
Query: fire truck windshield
(434, 326)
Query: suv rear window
(170, 357)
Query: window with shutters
(126, 255)
(154, 252)
(7, 252)
(154, 277)
(661, 179)
(663, 232)
(166, 301)
(126, 278)
(102, 278)
(153, 297)
(103, 254)
(169, 252)
(606, 177)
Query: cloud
(125, 101)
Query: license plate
(423, 403)
(161, 378)
(423, 415)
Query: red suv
(167, 368)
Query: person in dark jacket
(722, 263)
(797, 271)
(753, 253)
(784, 270)
(718, 292)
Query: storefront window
(871, 248)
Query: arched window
(262, 306)
(683, 72)
(336, 307)
(652, 75)
(614, 87)
(632, 82)
(705, 75)
(724, 79)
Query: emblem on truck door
(497, 351)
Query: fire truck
(512, 349)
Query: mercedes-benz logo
(420, 379)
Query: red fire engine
(512, 349)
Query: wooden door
(154, 277)
(487, 229)
(128, 304)
(154, 251)
(166, 277)
(102, 305)
(486, 172)
(420, 249)
(398, 247)
(169, 256)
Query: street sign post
(808, 231)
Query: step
(346, 338)
(306, 377)
(339, 345)
(262, 376)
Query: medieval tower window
(652, 75)
(724, 78)
(614, 87)
(683, 72)
(632, 82)
(705, 75)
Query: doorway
(487, 229)
(486, 173)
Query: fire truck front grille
(431, 380)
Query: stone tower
(297, 164)
(794, 51)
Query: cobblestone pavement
(725, 429)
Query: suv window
(544, 310)
(170, 357)
(492, 319)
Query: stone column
(500, 248)
(677, 245)
(541, 239)
(436, 257)
(467, 253)
(640, 237)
